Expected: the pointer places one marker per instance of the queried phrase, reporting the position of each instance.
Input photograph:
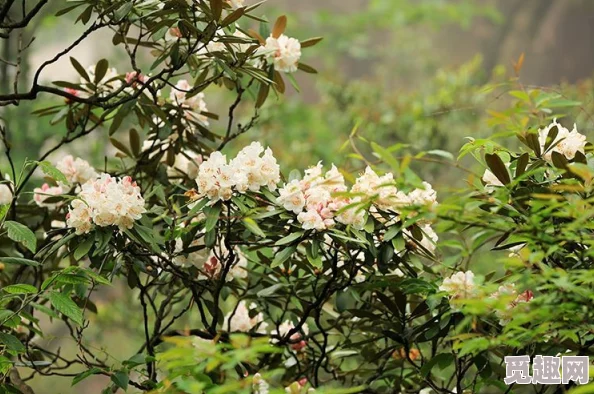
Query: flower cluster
(209, 263)
(76, 170)
(251, 169)
(509, 292)
(320, 200)
(192, 107)
(284, 51)
(459, 286)
(241, 321)
(298, 343)
(567, 143)
(106, 201)
(315, 201)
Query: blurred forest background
(422, 73)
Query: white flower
(240, 321)
(460, 285)
(259, 385)
(491, 180)
(311, 220)
(291, 197)
(429, 240)
(297, 342)
(424, 196)
(252, 171)
(40, 194)
(381, 190)
(186, 164)
(79, 217)
(192, 107)
(509, 292)
(76, 170)
(566, 143)
(207, 261)
(247, 171)
(236, 3)
(109, 202)
(353, 215)
(5, 194)
(196, 258)
(285, 52)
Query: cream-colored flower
(41, 194)
(240, 320)
(459, 286)
(76, 170)
(284, 51)
(567, 143)
(5, 194)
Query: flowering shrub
(250, 279)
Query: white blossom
(236, 3)
(297, 342)
(491, 180)
(311, 220)
(76, 170)
(509, 292)
(186, 163)
(218, 179)
(109, 202)
(5, 194)
(567, 143)
(381, 189)
(430, 237)
(460, 285)
(240, 321)
(284, 51)
(40, 194)
(259, 385)
(192, 107)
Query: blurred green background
(422, 73)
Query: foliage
(249, 279)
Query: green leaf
(212, 216)
(80, 69)
(19, 261)
(83, 248)
(121, 147)
(441, 153)
(120, 379)
(522, 164)
(498, 168)
(216, 6)
(101, 70)
(51, 171)
(135, 142)
(83, 375)
(124, 10)
(20, 288)
(21, 233)
(283, 256)
(67, 307)
(267, 292)
(289, 238)
(251, 225)
(310, 42)
(11, 342)
(443, 360)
